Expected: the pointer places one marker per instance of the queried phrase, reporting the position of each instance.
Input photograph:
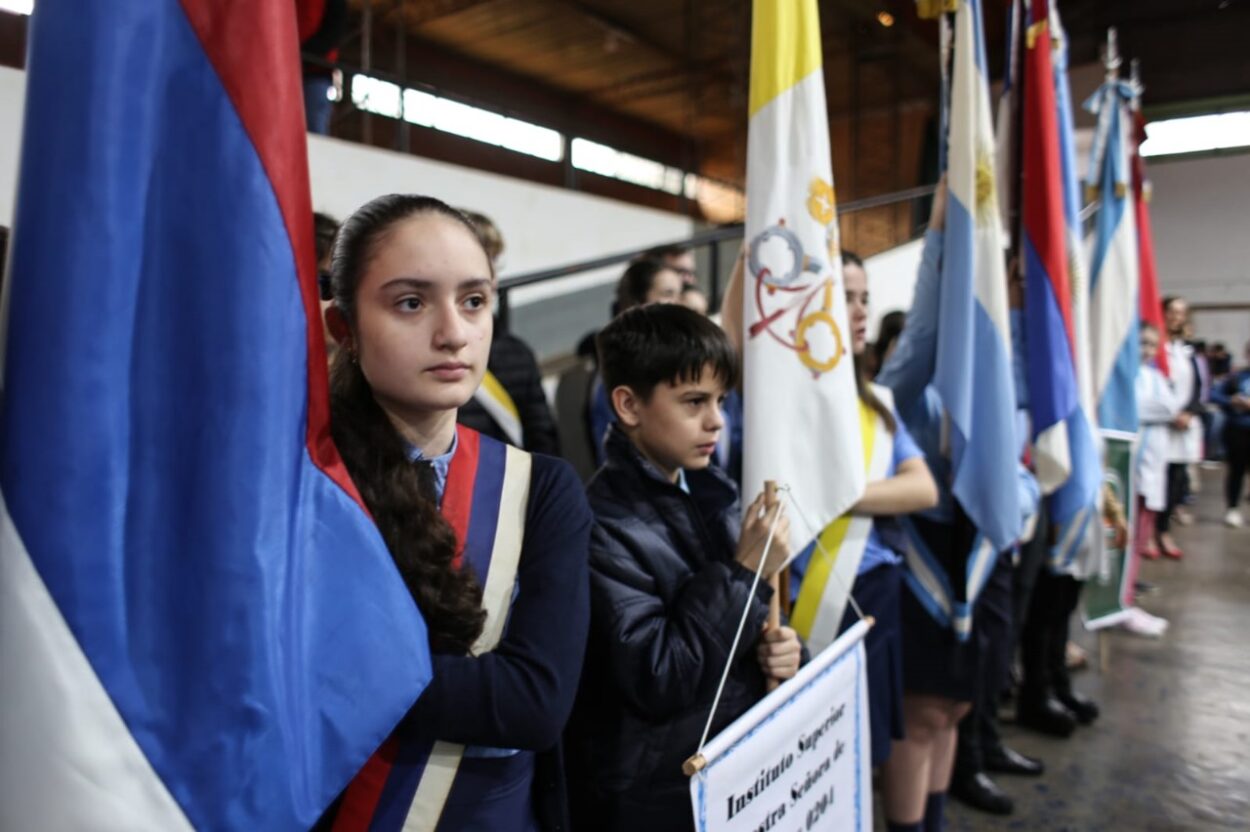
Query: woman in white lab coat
(1157, 408)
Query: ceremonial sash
(406, 783)
(495, 400)
(834, 563)
(930, 581)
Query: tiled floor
(1172, 749)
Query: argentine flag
(1114, 269)
(973, 363)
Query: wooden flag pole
(774, 606)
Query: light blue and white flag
(1114, 265)
(974, 371)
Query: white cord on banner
(733, 651)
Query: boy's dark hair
(650, 345)
(850, 258)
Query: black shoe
(1047, 716)
(980, 792)
(1082, 707)
(1003, 760)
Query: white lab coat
(1184, 446)
(1157, 406)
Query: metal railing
(709, 239)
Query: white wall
(1200, 212)
(12, 102)
(891, 282)
(542, 225)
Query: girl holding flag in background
(491, 541)
(853, 556)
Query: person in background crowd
(1207, 411)
(325, 228)
(510, 405)
(1233, 396)
(672, 567)
(905, 487)
(692, 298)
(645, 281)
(413, 290)
(1157, 408)
(1220, 361)
(1185, 436)
(323, 25)
(940, 672)
(679, 258)
(887, 335)
(1219, 365)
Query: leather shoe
(980, 792)
(1082, 707)
(1004, 760)
(1046, 716)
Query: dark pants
(1178, 490)
(1032, 559)
(1045, 637)
(1237, 456)
(992, 628)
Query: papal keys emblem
(794, 289)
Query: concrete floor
(1172, 748)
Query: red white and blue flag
(1049, 333)
(1151, 302)
(200, 626)
(1061, 402)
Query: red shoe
(1150, 553)
(1174, 553)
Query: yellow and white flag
(801, 413)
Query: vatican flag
(801, 412)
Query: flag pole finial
(1111, 55)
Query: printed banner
(1105, 592)
(800, 759)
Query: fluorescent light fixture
(1196, 134)
(17, 6)
(376, 96)
(384, 98)
(617, 164)
(416, 107)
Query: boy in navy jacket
(671, 571)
